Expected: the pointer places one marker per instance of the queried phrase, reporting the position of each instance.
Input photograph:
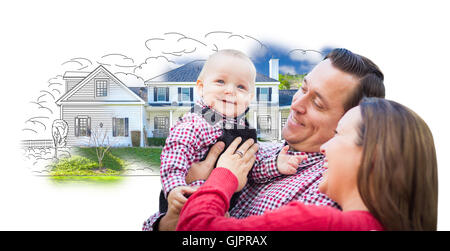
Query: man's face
(317, 107)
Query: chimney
(273, 68)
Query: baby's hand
(288, 164)
(177, 197)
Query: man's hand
(288, 164)
(201, 170)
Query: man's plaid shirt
(267, 189)
(189, 141)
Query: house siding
(102, 114)
(115, 92)
(257, 108)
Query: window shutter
(155, 94)
(179, 94)
(114, 127)
(257, 93)
(167, 94)
(88, 127)
(191, 93)
(126, 127)
(270, 94)
(77, 127)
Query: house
(99, 99)
(171, 95)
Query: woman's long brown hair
(397, 179)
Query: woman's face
(342, 158)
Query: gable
(100, 86)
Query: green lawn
(112, 160)
(83, 164)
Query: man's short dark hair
(369, 75)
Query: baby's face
(228, 85)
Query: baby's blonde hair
(227, 52)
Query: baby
(226, 85)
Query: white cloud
(285, 69)
(130, 79)
(310, 56)
(154, 66)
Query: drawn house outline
(83, 109)
(143, 110)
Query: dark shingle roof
(141, 92)
(285, 97)
(190, 71)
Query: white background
(407, 39)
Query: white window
(264, 94)
(120, 127)
(82, 126)
(162, 94)
(185, 94)
(101, 87)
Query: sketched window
(82, 126)
(264, 123)
(101, 87)
(161, 123)
(120, 127)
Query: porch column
(255, 120)
(279, 125)
(170, 117)
(142, 126)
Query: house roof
(285, 97)
(75, 74)
(190, 71)
(142, 94)
(88, 77)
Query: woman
(382, 170)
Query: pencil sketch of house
(99, 98)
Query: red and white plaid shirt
(188, 142)
(192, 136)
(268, 189)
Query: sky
(407, 39)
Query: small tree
(59, 134)
(101, 141)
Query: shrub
(156, 141)
(79, 166)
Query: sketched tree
(59, 134)
(100, 140)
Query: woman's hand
(239, 161)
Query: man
(335, 85)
